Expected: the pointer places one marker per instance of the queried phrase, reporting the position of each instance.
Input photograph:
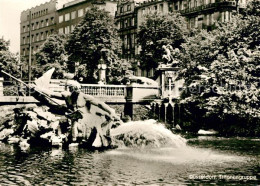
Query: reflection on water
(124, 166)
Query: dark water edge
(204, 156)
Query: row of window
(209, 20)
(72, 15)
(37, 25)
(125, 8)
(152, 9)
(38, 14)
(27, 51)
(128, 41)
(66, 29)
(37, 37)
(124, 23)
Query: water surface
(128, 166)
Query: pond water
(127, 166)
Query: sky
(10, 11)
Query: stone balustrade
(104, 90)
(108, 93)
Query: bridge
(107, 93)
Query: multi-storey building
(36, 25)
(126, 20)
(72, 13)
(39, 22)
(201, 14)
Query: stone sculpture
(79, 119)
(170, 55)
(90, 120)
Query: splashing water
(146, 133)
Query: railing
(104, 90)
(92, 89)
(107, 93)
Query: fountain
(146, 133)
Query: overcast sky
(10, 11)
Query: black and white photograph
(129, 92)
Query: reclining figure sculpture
(90, 119)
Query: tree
(94, 37)
(8, 60)
(158, 30)
(221, 71)
(52, 53)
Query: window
(67, 17)
(161, 7)
(128, 7)
(52, 31)
(24, 42)
(133, 21)
(143, 11)
(28, 39)
(72, 28)
(207, 19)
(121, 9)
(170, 7)
(42, 23)
(67, 29)
(196, 22)
(73, 15)
(125, 41)
(133, 40)
(24, 29)
(24, 52)
(155, 8)
(47, 33)
(32, 26)
(47, 22)
(28, 28)
(32, 38)
(37, 37)
(80, 13)
(61, 19)
(60, 30)
(126, 23)
(52, 20)
(227, 16)
(37, 25)
(42, 36)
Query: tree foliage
(158, 30)
(8, 60)
(93, 37)
(51, 54)
(222, 72)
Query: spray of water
(146, 133)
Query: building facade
(126, 21)
(72, 13)
(36, 25)
(53, 17)
(202, 14)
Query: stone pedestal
(170, 87)
(102, 73)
